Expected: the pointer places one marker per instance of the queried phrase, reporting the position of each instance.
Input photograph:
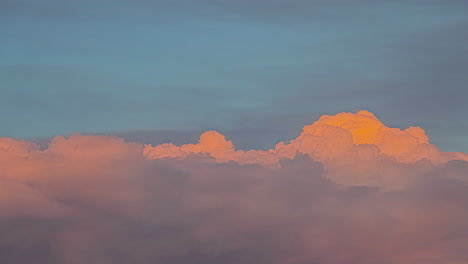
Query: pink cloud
(348, 189)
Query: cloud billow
(347, 190)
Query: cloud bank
(348, 189)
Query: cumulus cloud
(357, 143)
(348, 189)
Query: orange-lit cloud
(344, 142)
(348, 189)
(330, 137)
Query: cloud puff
(344, 143)
(347, 190)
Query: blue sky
(256, 70)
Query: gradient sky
(265, 68)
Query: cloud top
(346, 142)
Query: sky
(256, 70)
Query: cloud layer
(348, 189)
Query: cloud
(346, 142)
(348, 189)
